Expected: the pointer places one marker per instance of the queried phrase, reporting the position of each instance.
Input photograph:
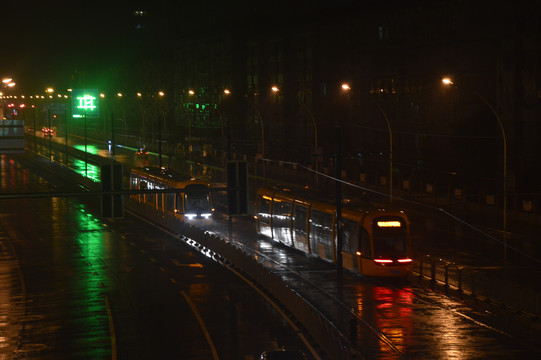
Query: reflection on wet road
(396, 319)
(73, 286)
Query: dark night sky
(44, 43)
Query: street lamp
(449, 82)
(191, 93)
(161, 122)
(347, 88)
(227, 92)
(8, 82)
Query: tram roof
(309, 195)
(170, 177)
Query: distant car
(48, 132)
(283, 355)
(142, 152)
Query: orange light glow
(389, 224)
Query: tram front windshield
(390, 239)
(197, 201)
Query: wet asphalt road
(419, 323)
(75, 287)
(396, 319)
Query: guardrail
(334, 344)
(474, 282)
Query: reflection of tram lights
(389, 224)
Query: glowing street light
(346, 87)
(447, 81)
(8, 82)
(275, 89)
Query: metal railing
(474, 282)
(331, 340)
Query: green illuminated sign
(85, 103)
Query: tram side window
(180, 202)
(170, 202)
(299, 219)
(150, 197)
(159, 197)
(349, 234)
(134, 182)
(321, 228)
(263, 210)
(143, 185)
(281, 214)
(364, 244)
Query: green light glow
(91, 149)
(84, 103)
(90, 171)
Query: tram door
(300, 228)
(264, 211)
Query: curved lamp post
(449, 82)
(227, 92)
(347, 88)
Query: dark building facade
(283, 66)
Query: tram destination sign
(85, 103)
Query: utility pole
(338, 169)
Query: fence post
(433, 272)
